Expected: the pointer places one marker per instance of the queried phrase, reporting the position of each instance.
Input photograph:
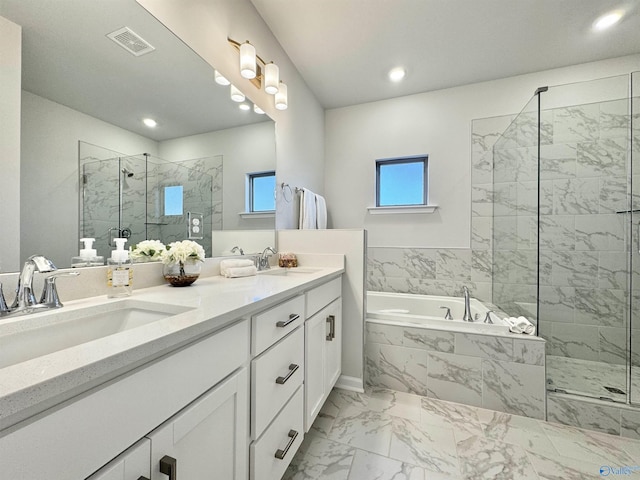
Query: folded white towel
(520, 325)
(233, 263)
(321, 212)
(235, 272)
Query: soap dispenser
(119, 271)
(88, 255)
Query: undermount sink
(290, 271)
(33, 336)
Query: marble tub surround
(31, 387)
(500, 372)
(420, 438)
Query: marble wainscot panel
(498, 372)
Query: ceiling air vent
(131, 41)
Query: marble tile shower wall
(583, 247)
(142, 213)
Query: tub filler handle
(447, 315)
(487, 318)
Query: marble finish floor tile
(377, 436)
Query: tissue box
(287, 260)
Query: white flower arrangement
(147, 251)
(182, 251)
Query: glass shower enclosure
(141, 197)
(566, 232)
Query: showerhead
(127, 173)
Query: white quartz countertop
(35, 385)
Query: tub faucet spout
(467, 306)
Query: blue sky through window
(401, 183)
(173, 200)
(263, 197)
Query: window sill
(250, 215)
(402, 209)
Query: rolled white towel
(520, 325)
(233, 263)
(235, 272)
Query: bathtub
(428, 311)
(410, 347)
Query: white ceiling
(344, 48)
(67, 58)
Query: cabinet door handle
(292, 369)
(280, 454)
(331, 319)
(142, 478)
(169, 466)
(292, 318)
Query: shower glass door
(634, 341)
(585, 237)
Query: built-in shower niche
(144, 197)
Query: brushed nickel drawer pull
(331, 319)
(292, 318)
(280, 454)
(292, 369)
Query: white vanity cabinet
(323, 346)
(132, 464)
(277, 376)
(75, 440)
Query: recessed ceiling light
(397, 74)
(150, 122)
(607, 20)
(244, 106)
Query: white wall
(244, 150)
(204, 26)
(10, 79)
(50, 136)
(436, 123)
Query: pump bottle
(119, 271)
(88, 255)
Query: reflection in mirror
(79, 88)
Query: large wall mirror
(84, 98)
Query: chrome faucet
(263, 261)
(237, 249)
(467, 306)
(25, 300)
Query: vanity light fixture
(271, 78)
(257, 109)
(260, 72)
(397, 74)
(607, 20)
(282, 102)
(244, 106)
(248, 60)
(220, 80)
(236, 95)
(149, 122)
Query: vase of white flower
(147, 251)
(182, 262)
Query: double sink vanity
(218, 380)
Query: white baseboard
(354, 384)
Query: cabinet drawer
(270, 326)
(323, 295)
(276, 375)
(265, 465)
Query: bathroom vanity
(224, 376)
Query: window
(173, 200)
(401, 181)
(261, 191)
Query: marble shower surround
(502, 373)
